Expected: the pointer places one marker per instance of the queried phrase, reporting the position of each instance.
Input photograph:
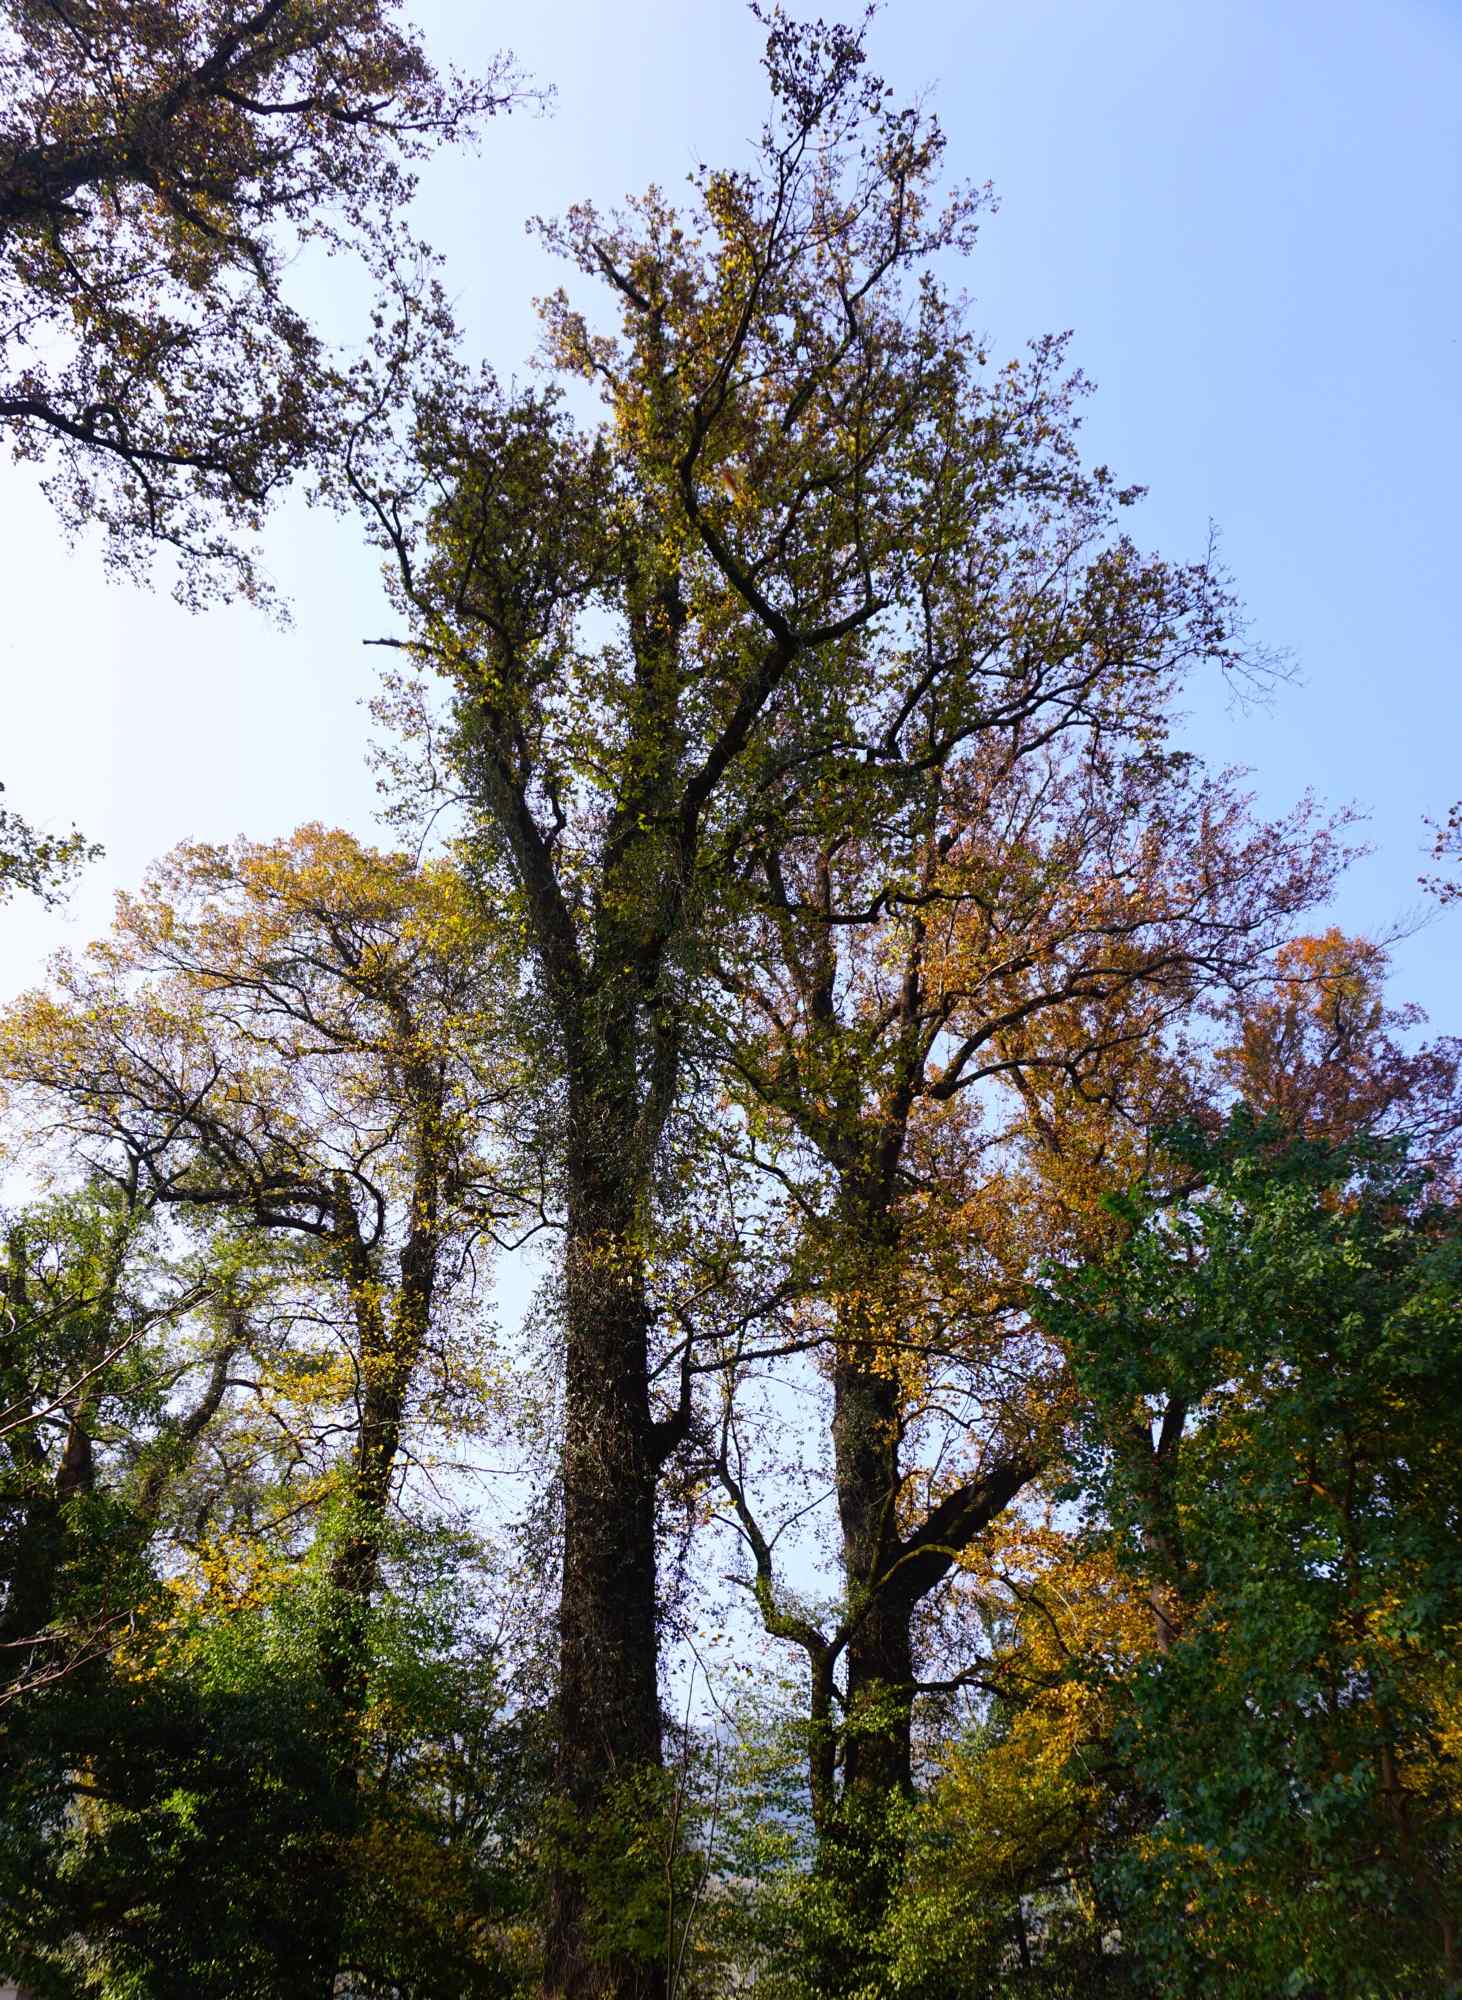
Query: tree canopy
(971, 1505)
(160, 163)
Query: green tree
(174, 1823)
(96, 1309)
(1295, 1733)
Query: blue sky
(1251, 218)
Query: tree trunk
(389, 1350)
(862, 1849)
(609, 1744)
(887, 1576)
(877, 1758)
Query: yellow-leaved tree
(304, 1042)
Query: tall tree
(752, 592)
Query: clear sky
(1250, 215)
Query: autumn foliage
(812, 1340)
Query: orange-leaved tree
(1048, 910)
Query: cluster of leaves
(160, 163)
(1295, 1734)
(210, 1845)
(39, 864)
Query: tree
(1311, 1045)
(1293, 1732)
(161, 161)
(95, 1311)
(121, 1336)
(296, 1036)
(1045, 913)
(170, 1820)
(811, 553)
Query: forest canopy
(810, 1341)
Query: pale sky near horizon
(1250, 216)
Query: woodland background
(795, 1325)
